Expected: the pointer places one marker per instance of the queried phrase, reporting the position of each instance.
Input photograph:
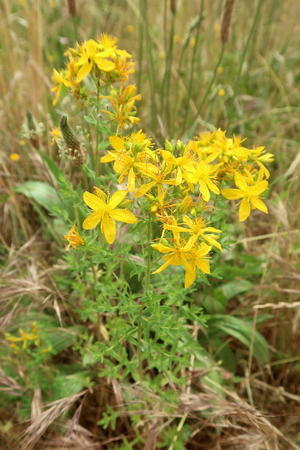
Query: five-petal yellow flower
(106, 211)
(248, 194)
(186, 255)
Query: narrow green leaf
(242, 331)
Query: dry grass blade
(41, 422)
(8, 385)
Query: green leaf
(52, 166)
(59, 338)
(44, 194)
(66, 385)
(241, 330)
(235, 287)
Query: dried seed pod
(226, 21)
(75, 149)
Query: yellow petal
(131, 180)
(232, 194)
(244, 210)
(203, 265)
(213, 187)
(204, 191)
(179, 176)
(107, 158)
(203, 249)
(212, 242)
(165, 265)
(117, 143)
(123, 215)
(190, 274)
(109, 229)
(92, 220)
(162, 248)
(99, 193)
(117, 198)
(259, 204)
(240, 182)
(93, 201)
(84, 71)
(105, 64)
(144, 189)
(57, 95)
(259, 188)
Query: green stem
(141, 45)
(212, 80)
(246, 48)
(148, 260)
(191, 78)
(96, 157)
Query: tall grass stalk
(248, 42)
(166, 83)
(192, 66)
(140, 53)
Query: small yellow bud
(221, 92)
(14, 157)
(220, 70)
(130, 28)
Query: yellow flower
(74, 238)
(204, 175)
(90, 55)
(197, 228)
(59, 79)
(183, 164)
(123, 105)
(14, 156)
(220, 70)
(55, 134)
(249, 194)
(24, 338)
(186, 255)
(221, 92)
(159, 179)
(130, 156)
(105, 211)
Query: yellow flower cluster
(25, 339)
(100, 58)
(181, 183)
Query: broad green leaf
(235, 287)
(242, 331)
(44, 194)
(66, 385)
